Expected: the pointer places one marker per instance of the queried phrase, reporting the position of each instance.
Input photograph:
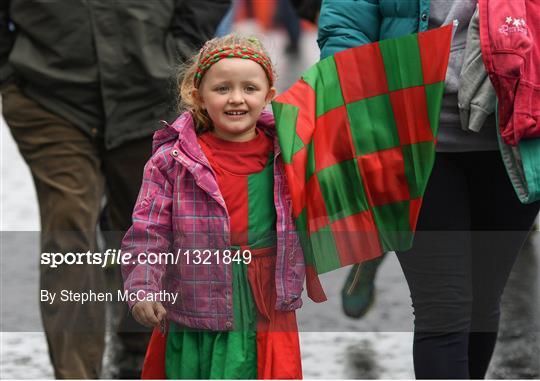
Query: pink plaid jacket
(180, 207)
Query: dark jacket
(104, 65)
(307, 9)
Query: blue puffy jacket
(345, 24)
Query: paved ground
(333, 346)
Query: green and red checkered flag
(357, 134)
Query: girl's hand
(149, 313)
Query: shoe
(358, 292)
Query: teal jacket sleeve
(344, 24)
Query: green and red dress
(265, 342)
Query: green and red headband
(233, 51)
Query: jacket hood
(183, 129)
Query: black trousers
(469, 233)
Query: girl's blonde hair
(188, 70)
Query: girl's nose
(236, 97)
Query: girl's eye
(250, 89)
(222, 89)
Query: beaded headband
(232, 51)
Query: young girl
(214, 195)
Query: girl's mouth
(235, 113)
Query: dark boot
(358, 292)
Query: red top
(233, 162)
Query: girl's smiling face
(234, 92)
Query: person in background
(307, 9)
(471, 226)
(226, 25)
(358, 291)
(285, 15)
(83, 85)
